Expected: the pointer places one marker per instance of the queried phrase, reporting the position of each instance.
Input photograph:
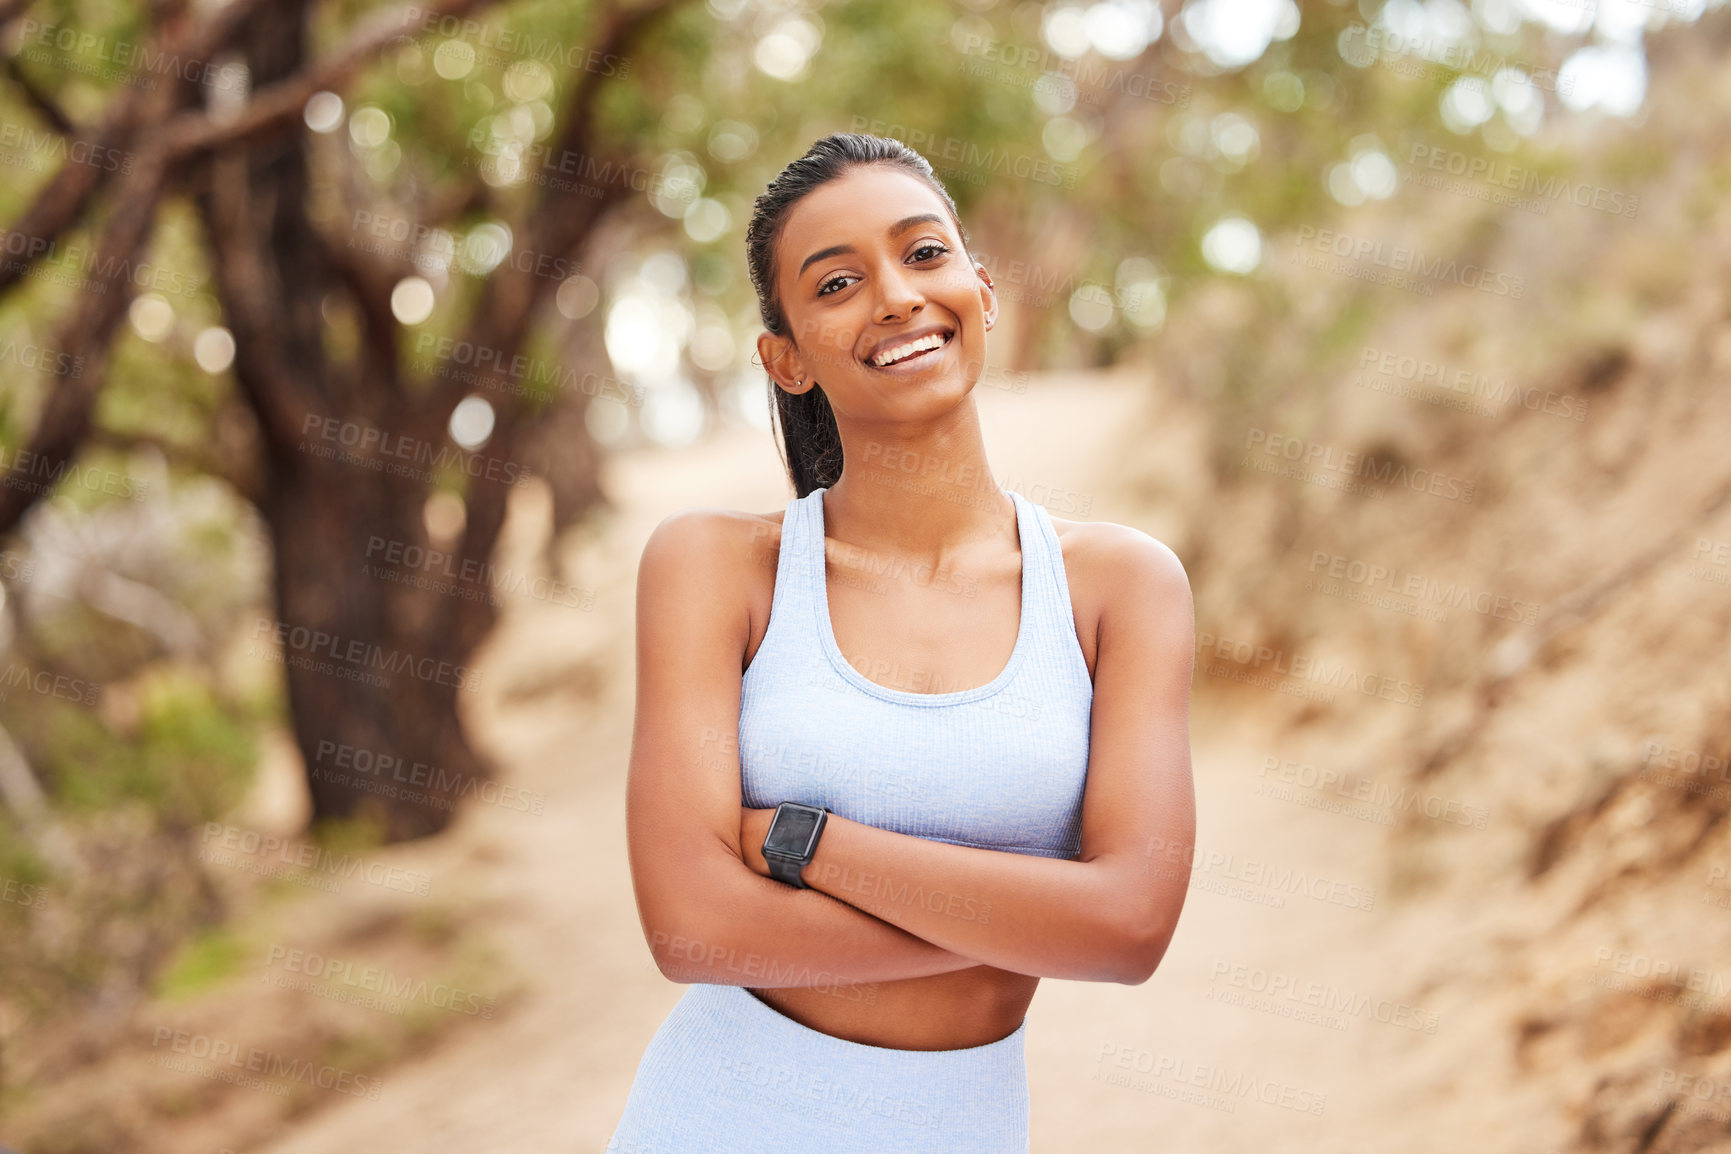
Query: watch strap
(786, 869)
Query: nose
(897, 295)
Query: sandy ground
(1412, 1056)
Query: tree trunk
(375, 638)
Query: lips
(899, 351)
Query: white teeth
(934, 341)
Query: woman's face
(884, 308)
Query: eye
(932, 247)
(824, 288)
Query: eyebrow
(898, 227)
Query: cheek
(834, 337)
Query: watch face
(790, 833)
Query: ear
(781, 360)
(988, 294)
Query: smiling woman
(864, 878)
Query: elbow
(1139, 945)
(672, 965)
(685, 950)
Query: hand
(753, 828)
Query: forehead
(856, 208)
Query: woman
(976, 714)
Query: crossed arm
(712, 914)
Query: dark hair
(811, 440)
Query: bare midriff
(951, 1011)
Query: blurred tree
(350, 445)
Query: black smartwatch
(792, 839)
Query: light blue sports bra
(1000, 766)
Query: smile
(906, 352)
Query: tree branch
(39, 100)
(281, 103)
(62, 201)
(500, 321)
(558, 221)
(65, 420)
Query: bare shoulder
(706, 567)
(709, 538)
(1132, 598)
(1108, 558)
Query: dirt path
(552, 1074)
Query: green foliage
(190, 757)
(205, 960)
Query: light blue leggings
(726, 1074)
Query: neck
(926, 492)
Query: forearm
(1098, 920)
(750, 931)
